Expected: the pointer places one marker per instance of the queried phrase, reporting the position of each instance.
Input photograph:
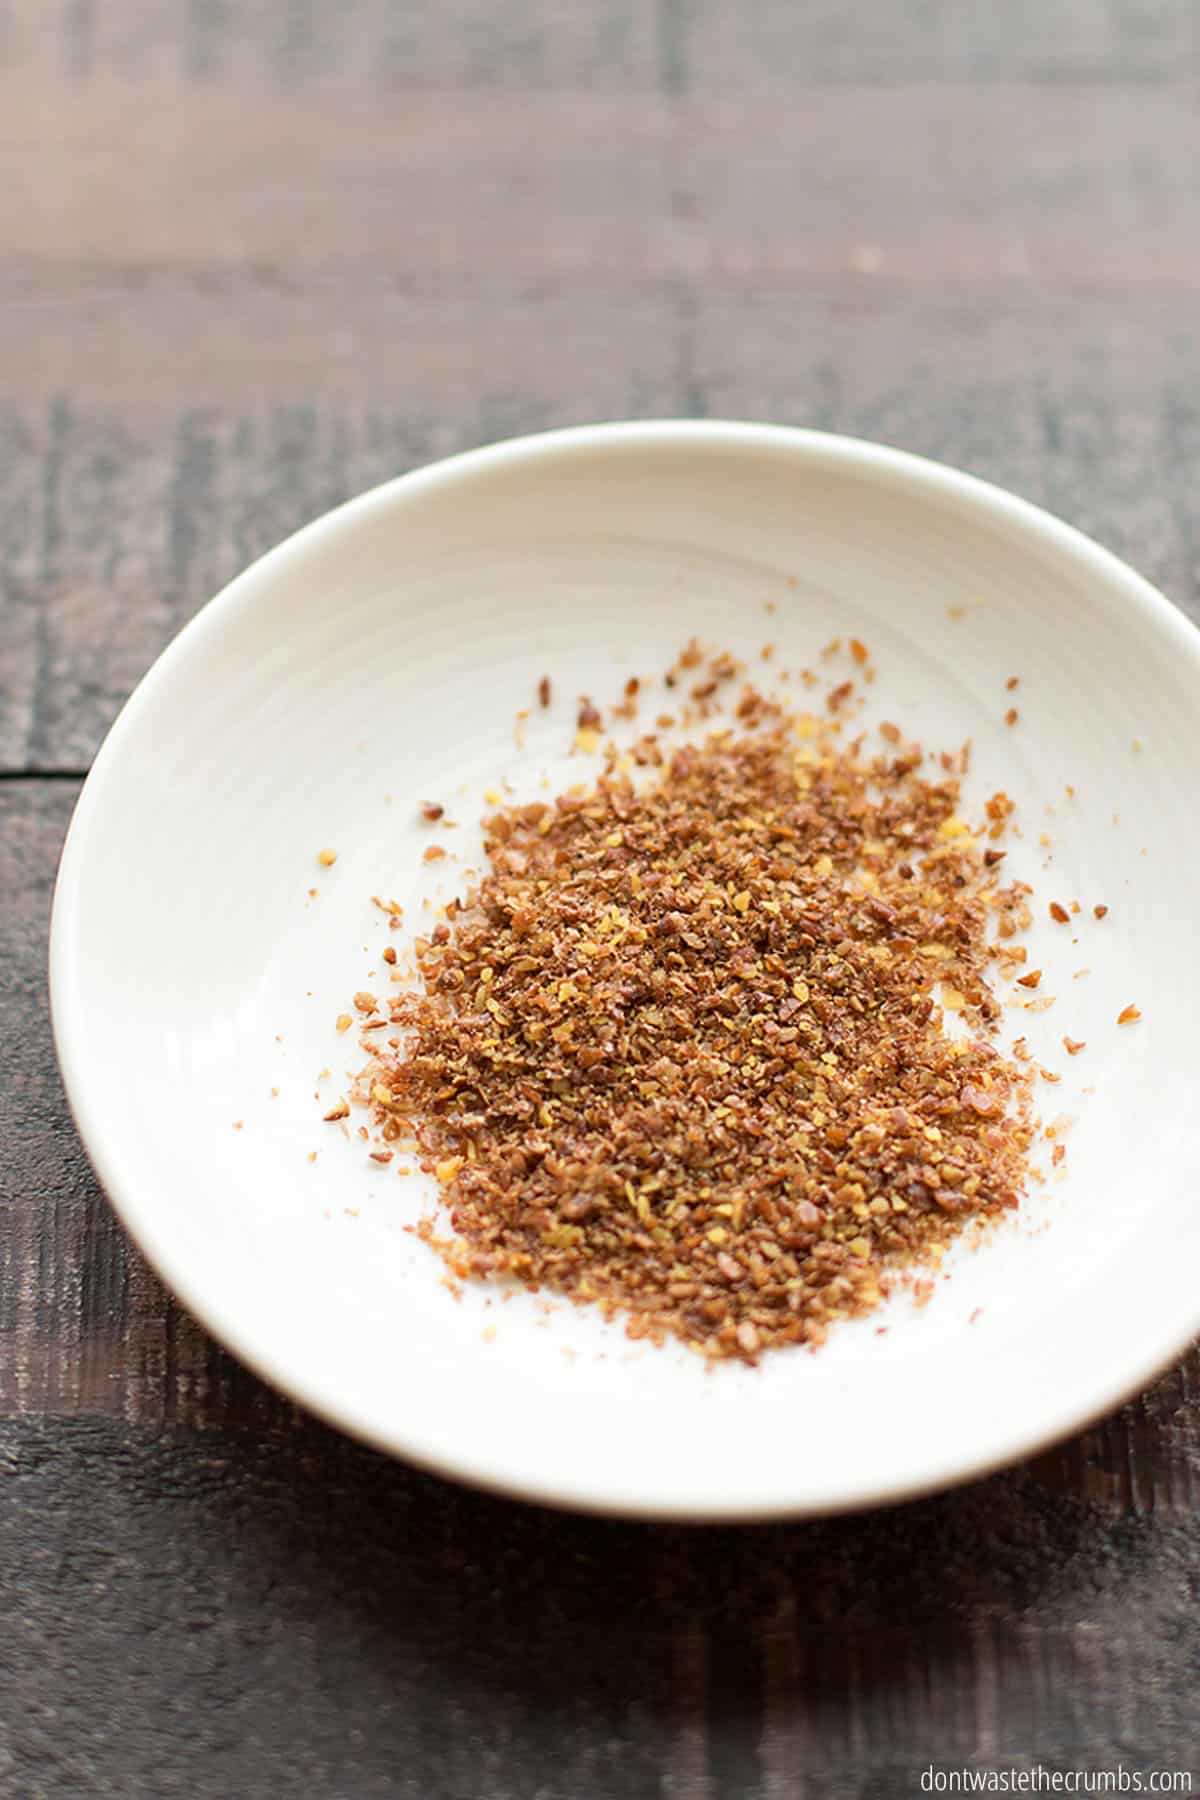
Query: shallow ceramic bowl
(378, 659)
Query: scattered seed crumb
(432, 811)
(1059, 913)
(1031, 980)
(1100, 912)
(340, 1111)
(434, 853)
(1137, 744)
(1073, 1046)
(238, 1123)
(1079, 974)
(626, 968)
(1012, 682)
(312, 1157)
(956, 612)
(544, 692)
(327, 858)
(344, 1021)
(1128, 1014)
(1011, 716)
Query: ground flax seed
(684, 1052)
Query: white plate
(378, 659)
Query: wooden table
(256, 256)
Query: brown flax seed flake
(681, 1054)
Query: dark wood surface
(255, 255)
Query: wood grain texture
(367, 46)
(1073, 182)
(256, 255)
(248, 274)
(260, 1614)
(162, 437)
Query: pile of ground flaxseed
(687, 1052)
